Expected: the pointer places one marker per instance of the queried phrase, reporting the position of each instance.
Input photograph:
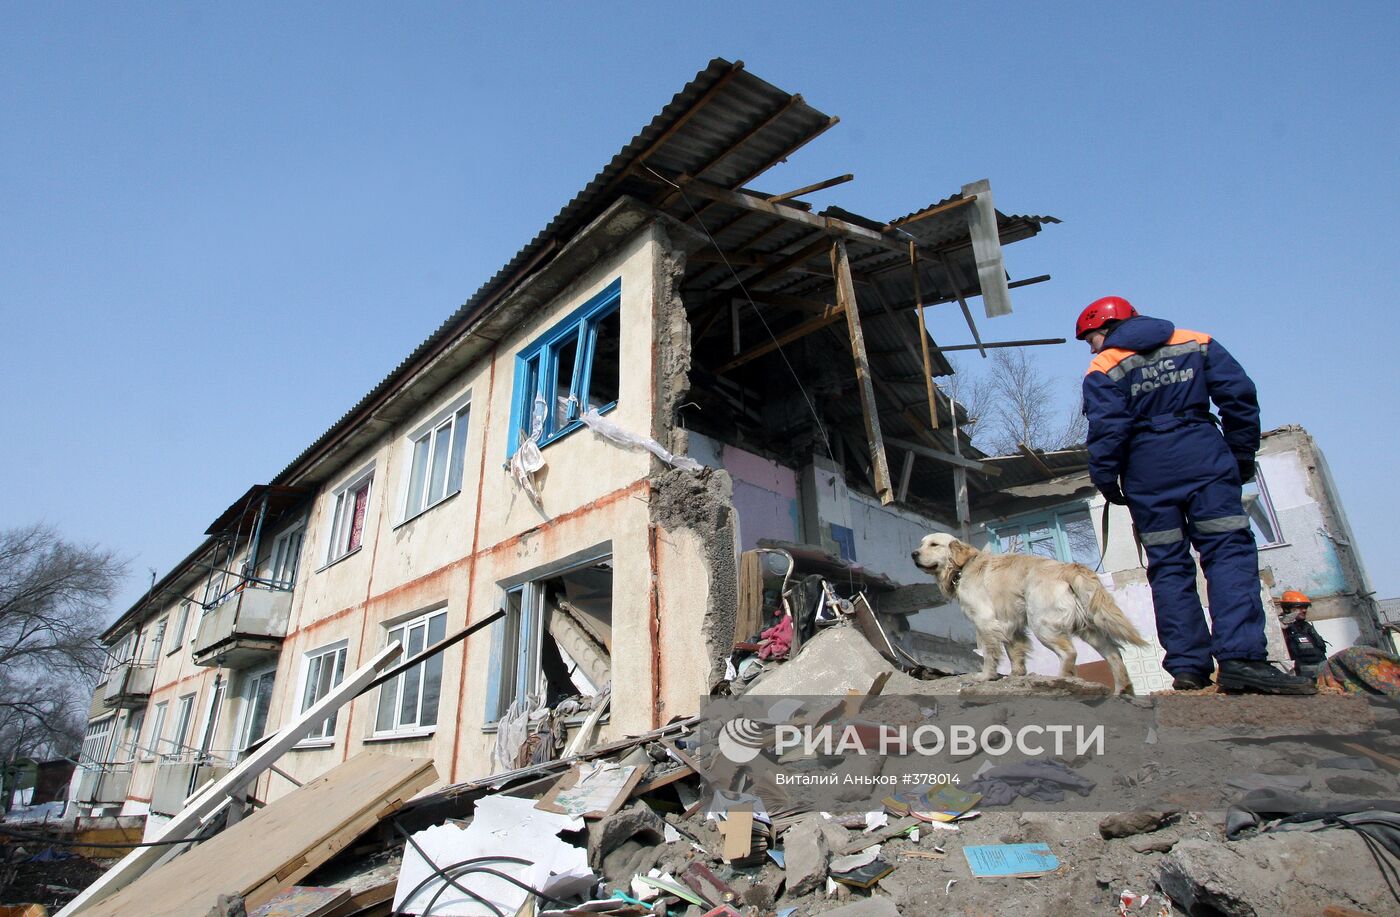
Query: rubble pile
(670, 823)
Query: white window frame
(341, 519)
(157, 641)
(313, 660)
(180, 630)
(285, 558)
(392, 690)
(213, 709)
(184, 720)
(135, 722)
(158, 714)
(247, 693)
(97, 740)
(453, 423)
(1265, 504)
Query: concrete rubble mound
(652, 825)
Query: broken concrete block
(636, 821)
(1153, 844)
(838, 659)
(1243, 878)
(805, 854)
(1038, 685)
(1127, 824)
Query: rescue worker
(1305, 645)
(1154, 446)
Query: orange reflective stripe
(1181, 336)
(1107, 359)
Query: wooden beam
(753, 353)
(829, 225)
(815, 306)
(808, 189)
(1036, 460)
(930, 212)
(748, 135)
(992, 345)
(923, 337)
(905, 475)
(216, 794)
(779, 157)
(947, 458)
(955, 279)
(788, 263)
(846, 301)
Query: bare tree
(54, 600)
(1011, 401)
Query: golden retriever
(1001, 593)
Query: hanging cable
(811, 406)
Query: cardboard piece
(1014, 861)
(592, 789)
(737, 829)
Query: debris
(302, 901)
(522, 839)
(1044, 780)
(623, 437)
(1153, 844)
(738, 834)
(701, 880)
(1285, 782)
(1348, 762)
(875, 820)
(278, 845)
(1128, 899)
(865, 876)
(889, 832)
(671, 887)
(937, 854)
(949, 887)
(805, 850)
(1128, 824)
(1015, 861)
(853, 861)
(621, 836)
(866, 907)
(592, 789)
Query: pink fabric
(776, 640)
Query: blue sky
(223, 224)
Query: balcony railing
(128, 684)
(178, 779)
(104, 784)
(245, 629)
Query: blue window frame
(571, 368)
(1065, 534)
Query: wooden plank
(1036, 460)
(945, 457)
(955, 279)
(278, 845)
(931, 211)
(787, 337)
(923, 338)
(665, 780)
(749, 618)
(742, 139)
(992, 345)
(786, 263)
(846, 299)
(1376, 756)
(217, 793)
(905, 475)
(808, 189)
(364, 902)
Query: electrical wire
(811, 406)
(442, 873)
(1389, 872)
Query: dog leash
(1137, 539)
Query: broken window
(556, 640)
(1260, 510)
(574, 367)
(1065, 535)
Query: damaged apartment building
(681, 389)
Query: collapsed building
(677, 371)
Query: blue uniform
(1147, 396)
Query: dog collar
(953, 580)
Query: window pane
(261, 702)
(1040, 541)
(604, 381)
(432, 688)
(408, 704)
(531, 422)
(565, 355)
(1257, 510)
(419, 476)
(459, 451)
(442, 440)
(1079, 535)
(388, 701)
(337, 523)
(357, 524)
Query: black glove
(1246, 466)
(1113, 494)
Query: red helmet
(1101, 311)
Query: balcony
(245, 630)
(105, 784)
(177, 780)
(128, 685)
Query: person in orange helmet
(1305, 645)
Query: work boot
(1257, 676)
(1190, 681)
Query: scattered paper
(854, 861)
(669, 834)
(503, 826)
(875, 820)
